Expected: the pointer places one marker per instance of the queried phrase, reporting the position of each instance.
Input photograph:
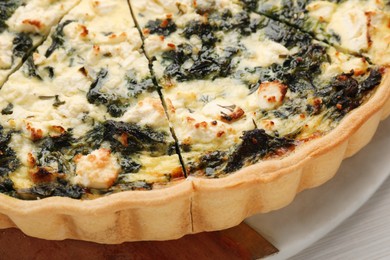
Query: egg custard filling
(24, 24)
(139, 95)
(82, 117)
(241, 87)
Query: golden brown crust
(128, 216)
(196, 205)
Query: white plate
(316, 212)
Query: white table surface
(365, 235)
(335, 221)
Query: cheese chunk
(148, 111)
(270, 95)
(97, 170)
(350, 23)
(262, 52)
(321, 10)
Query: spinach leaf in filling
(346, 92)
(8, 163)
(31, 68)
(206, 64)
(7, 186)
(256, 144)
(286, 35)
(8, 160)
(22, 45)
(8, 110)
(116, 105)
(56, 166)
(56, 153)
(249, 5)
(60, 188)
(136, 88)
(57, 38)
(226, 21)
(292, 12)
(298, 71)
(123, 185)
(7, 8)
(127, 138)
(185, 63)
(161, 27)
(210, 164)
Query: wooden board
(240, 242)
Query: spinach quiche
(148, 120)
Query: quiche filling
(354, 26)
(82, 114)
(139, 95)
(24, 24)
(241, 87)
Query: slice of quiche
(240, 87)
(355, 26)
(82, 116)
(23, 25)
(205, 104)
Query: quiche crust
(127, 216)
(270, 185)
(197, 205)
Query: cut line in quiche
(235, 79)
(24, 24)
(149, 120)
(356, 26)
